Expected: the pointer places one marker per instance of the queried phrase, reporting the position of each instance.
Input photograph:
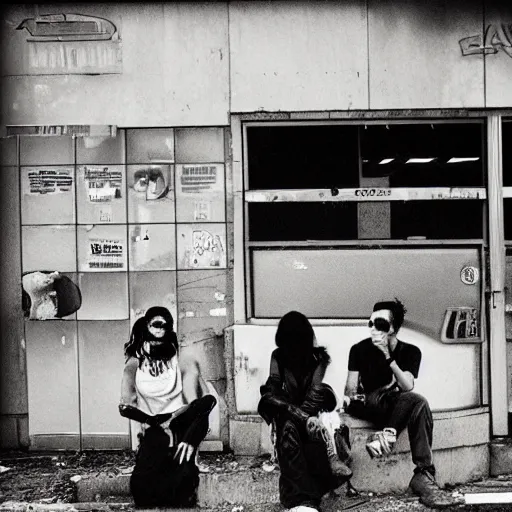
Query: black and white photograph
(256, 256)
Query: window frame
(244, 313)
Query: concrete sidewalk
(254, 491)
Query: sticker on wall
(103, 185)
(197, 178)
(152, 182)
(200, 194)
(202, 210)
(469, 274)
(49, 295)
(49, 181)
(106, 254)
(461, 325)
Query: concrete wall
(174, 69)
(189, 63)
(193, 63)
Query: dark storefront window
(396, 156)
(433, 175)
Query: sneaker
(381, 443)
(424, 485)
(317, 431)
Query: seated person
(292, 398)
(166, 394)
(381, 373)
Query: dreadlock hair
(397, 309)
(140, 334)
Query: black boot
(424, 484)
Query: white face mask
(377, 335)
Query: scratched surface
(174, 68)
(298, 56)
(415, 58)
(202, 311)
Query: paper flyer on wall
(106, 253)
(102, 184)
(198, 178)
(49, 181)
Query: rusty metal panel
(496, 44)
(415, 55)
(174, 68)
(298, 55)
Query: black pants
(400, 410)
(191, 426)
(305, 473)
(158, 480)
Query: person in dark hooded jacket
(291, 399)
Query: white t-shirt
(161, 393)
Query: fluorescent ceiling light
(455, 160)
(419, 160)
(386, 161)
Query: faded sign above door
(56, 44)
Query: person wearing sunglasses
(379, 389)
(165, 393)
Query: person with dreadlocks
(313, 459)
(165, 392)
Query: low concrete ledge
(243, 488)
(461, 449)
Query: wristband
(389, 360)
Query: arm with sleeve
(407, 368)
